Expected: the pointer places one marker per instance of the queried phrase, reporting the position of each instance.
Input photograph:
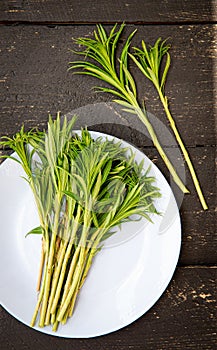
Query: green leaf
(153, 77)
(36, 231)
(163, 79)
(114, 43)
(11, 157)
(102, 33)
(139, 65)
(130, 79)
(73, 196)
(107, 235)
(111, 91)
(97, 186)
(123, 60)
(106, 170)
(123, 103)
(132, 111)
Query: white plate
(126, 279)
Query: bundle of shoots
(83, 189)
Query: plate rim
(162, 289)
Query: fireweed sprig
(150, 61)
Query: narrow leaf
(163, 79)
(36, 231)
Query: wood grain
(183, 318)
(36, 38)
(108, 11)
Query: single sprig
(150, 61)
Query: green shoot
(149, 61)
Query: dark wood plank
(34, 78)
(34, 81)
(183, 318)
(199, 237)
(198, 226)
(108, 11)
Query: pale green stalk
(50, 266)
(184, 151)
(70, 204)
(70, 274)
(80, 263)
(76, 277)
(149, 62)
(65, 261)
(40, 296)
(143, 117)
(55, 280)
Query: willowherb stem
(41, 266)
(163, 155)
(184, 151)
(55, 280)
(149, 61)
(49, 270)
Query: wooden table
(36, 37)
